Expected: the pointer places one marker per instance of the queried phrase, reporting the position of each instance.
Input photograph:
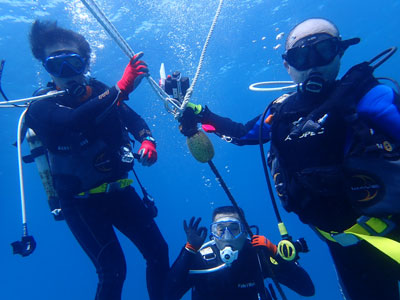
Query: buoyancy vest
(80, 161)
(332, 174)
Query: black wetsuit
(364, 272)
(94, 131)
(236, 282)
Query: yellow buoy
(200, 146)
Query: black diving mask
(316, 50)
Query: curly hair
(45, 33)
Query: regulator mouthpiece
(228, 255)
(314, 83)
(200, 147)
(76, 89)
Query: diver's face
(329, 72)
(228, 231)
(318, 53)
(73, 59)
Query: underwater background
(243, 49)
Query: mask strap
(345, 44)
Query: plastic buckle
(345, 239)
(113, 186)
(126, 155)
(363, 222)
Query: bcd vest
(80, 161)
(334, 172)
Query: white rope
(189, 92)
(21, 175)
(176, 110)
(289, 86)
(99, 15)
(92, 6)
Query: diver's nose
(227, 235)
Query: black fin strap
(30, 158)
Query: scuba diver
(334, 155)
(226, 266)
(86, 136)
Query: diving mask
(226, 229)
(316, 51)
(228, 232)
(65, 64)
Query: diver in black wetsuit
(89, 152)
(226, 267)
(334, 156)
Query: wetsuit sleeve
(241, 134)
(179, 280)
(380, 108)
(56, 117)
(293, 276)
(135, 124)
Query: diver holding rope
(85, 134)
(334, 155)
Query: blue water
(241, 52)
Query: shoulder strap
(97, 86)
(278, 102)
(352, 86)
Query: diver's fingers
(185, 226)
(191, 222)
(202, 232)
(142, 153)
(196, 224)
(136, 57)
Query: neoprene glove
(190, 117)
(148, 153)
(195, 235)
(133, 75)
(262, 241)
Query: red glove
(262, 241)
(133, 74)
(148, 153)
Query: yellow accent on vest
(103, 188)
(387, 246)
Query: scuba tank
(39, 156)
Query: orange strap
(190, 248)
(268, 120)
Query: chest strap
(108, 187)
(371, 230)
